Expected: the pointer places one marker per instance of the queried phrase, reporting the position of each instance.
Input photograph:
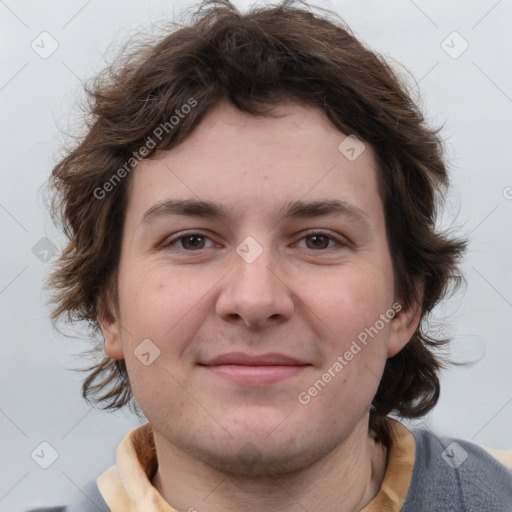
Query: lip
(254, 369)
(240, 358)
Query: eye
(320, 240)
(189, 242)
(195, 241)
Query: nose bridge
(253, 266)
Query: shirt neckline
(127, 486)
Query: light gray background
(471, 94)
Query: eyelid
(172, 239)
(339, 239)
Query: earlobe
(109, 326)
(403, 326)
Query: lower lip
(255, 374)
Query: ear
(110, 327)
(403, 326)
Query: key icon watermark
(454, 45)
(351, 148)
(454, 455)
(44, 250)
(44, 455)
(147, 352)
(249, 249)
(45, 45)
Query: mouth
(254, 369)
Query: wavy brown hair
(255, 60)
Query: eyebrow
(293, 209)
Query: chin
(254, 463)
(262, 458)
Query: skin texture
(305, 297)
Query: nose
(254, 294)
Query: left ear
(404, 325)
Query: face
(255, 326)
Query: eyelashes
(196, 241)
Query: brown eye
(191, 242)
(318, 241)
(321, 241)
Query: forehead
(260, 164)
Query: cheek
(167, 308)
(349, 299)
(156, 299)
(156, 309)
(350, 304)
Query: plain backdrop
(456, 56)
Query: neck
(345, 480)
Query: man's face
(251, 310)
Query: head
(257, 183)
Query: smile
(255, 369)
(255, 374)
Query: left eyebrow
(294, 209)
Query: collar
(127, 487)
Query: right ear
(110, 327)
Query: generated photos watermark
(150, 143)
(304, 397)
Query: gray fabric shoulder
(453, 475)
(47, 509)
(88, 499)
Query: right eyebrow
(189, 207)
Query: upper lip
(270, 359)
